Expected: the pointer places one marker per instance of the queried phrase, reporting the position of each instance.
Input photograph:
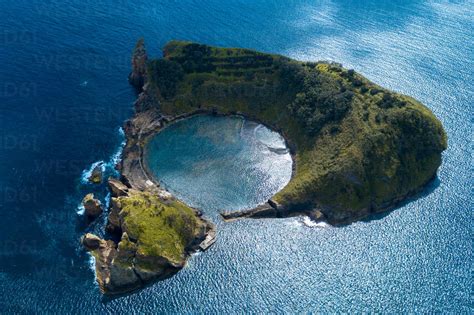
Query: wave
(88, 172)
(312, 224)
(80, 209)
(267, 138)
(91, 264)
(108, 166)
(116, 157)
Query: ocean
(64, 96)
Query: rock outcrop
(92, 206)
(139, 61)
(157, 233)
(91, 241)
(96, 174)
(113, 223)
(117, 188)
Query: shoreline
(267, 211)
(149, 175)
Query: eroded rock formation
(139, 60)
(92, 206)
(157, 233)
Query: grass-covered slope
(359, 147)
(160, 228)
(154, 234)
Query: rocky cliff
(156, 235)
(139, 63)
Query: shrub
(321, 100)
(165, 74)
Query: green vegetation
(156, 228)
(359, 147)
(165, 75)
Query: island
(358, 149)
(155, 234)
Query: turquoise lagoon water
(64, 94)
(219, 163)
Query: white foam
(114, 159)
(91, 262)
(118, 154)
(92, 267)
(107, 204)
(107, 201)
(310, 223)
(80, 209)
(293, 222)
(256, 129)
(88, 172)
(272, 140)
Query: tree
(165, 74)
(322, 99)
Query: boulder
(275, 205)
(92, 206)
(96, 175)
(117, 188)
(91, 241)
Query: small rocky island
(156, 232)
(358, 149)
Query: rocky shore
(151, 233)
(140, 256)
(271, 209)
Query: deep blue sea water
(64, 95)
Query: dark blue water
(64, 94)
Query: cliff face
(139, 61)
(156, 235)
(358, 148)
